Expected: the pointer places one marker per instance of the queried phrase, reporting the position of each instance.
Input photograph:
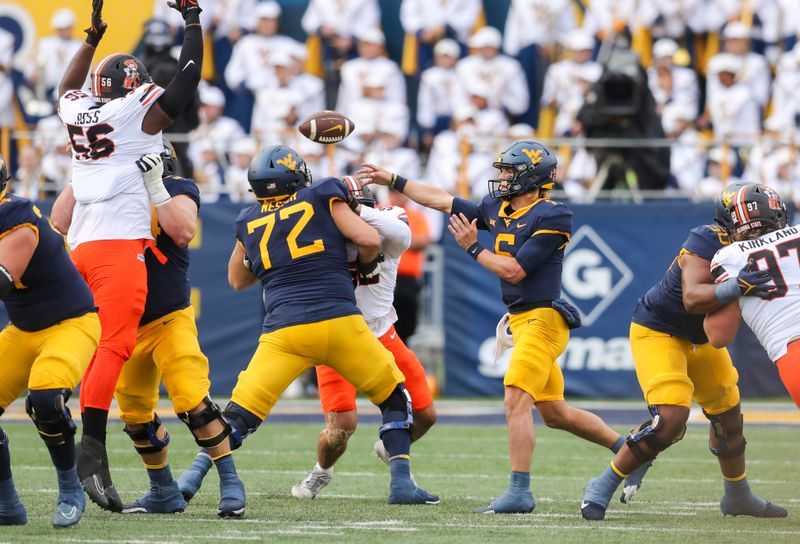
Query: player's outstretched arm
(421, 193)
(61, 214)
(240, 277)
(16, 250)
(183, 87)
(78, 67)
(721, 326)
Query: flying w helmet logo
(289, 162)
(534, 155)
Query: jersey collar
(516, 214)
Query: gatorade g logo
(288, 162)
(535, 155)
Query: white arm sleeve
(395, 232)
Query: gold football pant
(166, 350)
(674, 371)
(53, 358)
(540, 336)
(345, 344)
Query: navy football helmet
(756, 209)
(721, 215)
(534, 166)
(4, 175)
(277, 170)
(169, 158)
(117, 75)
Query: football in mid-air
(326, 127)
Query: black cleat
(92, 464)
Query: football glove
(754, 282)
(152, 167)
(95, 32)
(369, 273)
(190, 9)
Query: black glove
(369, 273)
(753, 282)
(95, 32)
(190, 9)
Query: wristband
(727, 291)
(474, 250)
(398, 183)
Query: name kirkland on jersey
(767, 239)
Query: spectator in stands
(53, 54)
(281, 106)
(28, 180)
(687, 159)
(498, 77)
(51, 139)
(336, 24)
(721, 162)
(567, 82)
(208, 172)
(735, 114)
(532, 30)
(439, 92)
(779, 131)
(789, 26)
(780, 172)
(761, 16)
(387, 147)
(785, 99)
(429, 22)
(675, 19)
(371, 62)
(754, 70)
(236, 185)
(6, 85)
(250, 68)
(670, 83)
(309, 86)
(375, 105)
(604, 16)
(215, 131)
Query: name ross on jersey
(87, 118)
(773, 237)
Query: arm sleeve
(471, 210)
(389, 223)
(181, 90)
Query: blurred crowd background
(640, 98)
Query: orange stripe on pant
(116, 274)
(789, 370)
(337, 394)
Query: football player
(46, 347)
(337, 395)
(167, 351)
(110, 128)
(294, 241)
(676, 365)
(762, 241)
(530, 233)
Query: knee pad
(646, 433)
(148, 433)
(210, 413)
(726, 427)
(242, 423)
(397, 411)
(48, 410)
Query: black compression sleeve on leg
(181, 90)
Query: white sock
(318, 468)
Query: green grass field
(466, 465)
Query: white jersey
(107, 140)
(776, 321)
(376, 301)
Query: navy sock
(7, 491)
(68, 484)
(226, 468)
(63, 455)
(520, 481)
(5, 457)
(160, 476)
(397, 442)
(618, 444)
(94, 423)
(400, 469)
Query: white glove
(152, 167)
(503, 336)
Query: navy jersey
(51, 289)
(511, 230)
(168, 287)
(661, 308)
(299, 256)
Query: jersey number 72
(268, 222)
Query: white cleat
(383, 455)
(313, 483)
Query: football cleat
(408, 493)
(633, 482)
(92, 464)
(161, 499)
(751, 506)
(312, 484)
(66, 515)
(13, 512)
(592, 511)
(232, 503)
(510, 503)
